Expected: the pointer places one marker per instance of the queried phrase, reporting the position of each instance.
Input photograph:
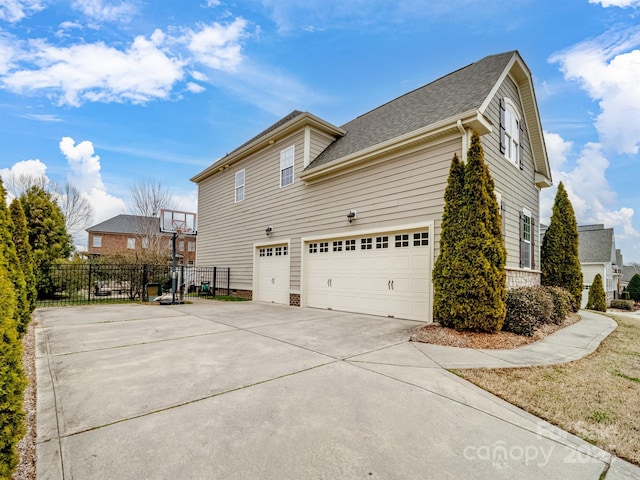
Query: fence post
(228, 280)
(215, 280)
(89, 286)
(143, 293)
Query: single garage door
(385, 274)
(272, 266)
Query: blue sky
(102, 93)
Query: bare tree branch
(17, 184)
(78, 212)
(148, 197)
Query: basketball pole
(174, 280)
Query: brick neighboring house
(131, 233)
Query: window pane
(286, 177)
(97, 240)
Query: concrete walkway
(245, 390)
(566, 345)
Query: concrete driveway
(217, 390)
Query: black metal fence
(116, 283)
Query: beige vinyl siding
(516, 186)
(319, 141)
(405, 190)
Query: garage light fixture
(268, 230)
(351, 216)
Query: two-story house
(135, 233)
(348, 217)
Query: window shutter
(503, 213)
(503, 140)
(521, 240)
(533, 244)
(521, 144)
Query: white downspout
(465, 145)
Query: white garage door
(272, 266)
(384, 274)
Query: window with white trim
(240, 186)
(145, 242)
(191, 246)
(287, 157)
(181, 245)
(97, 241)
(525, 243)
(131, 243)
(510, 128)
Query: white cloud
(199, 76)
(46, 118)
(106, 11)
(85, 174)
(23, 169)
(608, 68)
(617, 3)
(218, 46)
(213, 3)
(13, 11)
(187, 202)
(195, 88)
(98, 73)
(590, 193)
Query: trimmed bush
(626, 296)
(527, 309)
(622, 304)
(562, 304)
(597, 298)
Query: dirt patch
(499, 340)
(26, 469)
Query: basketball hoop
(180, 226)
(178, 222)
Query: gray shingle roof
(628, 271)
(597, 244)
(455, 93)
(127, 224)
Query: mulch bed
(500, 340)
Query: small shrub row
(530, 307)
(622, 304)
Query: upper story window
(286, 166)
(511, 127)
(97, 241)
(191, 246)
(145, 242)
(131, 243)
(240, 186)
(181, 245)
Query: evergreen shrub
(562, 304)
(527, 309)
(622, 304)
(597, 299)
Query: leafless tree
(17, 184)
(78, 212)
(148, 197)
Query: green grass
(595, 397)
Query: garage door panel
(392, 281)
(273, 274)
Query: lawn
(596, 398)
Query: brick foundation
(522, 278)
(248, 294)
(294, 299)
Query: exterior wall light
(351, 216)
(268, 231)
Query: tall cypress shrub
(478, 286)
(560, 263)
(451, 229)
(597, 298)
(12, 380)
(634, 288)
(14, 270)
(23, 249)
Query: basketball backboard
(176, 221)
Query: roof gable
(459, 92)
(596, 244)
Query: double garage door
(385, 274)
